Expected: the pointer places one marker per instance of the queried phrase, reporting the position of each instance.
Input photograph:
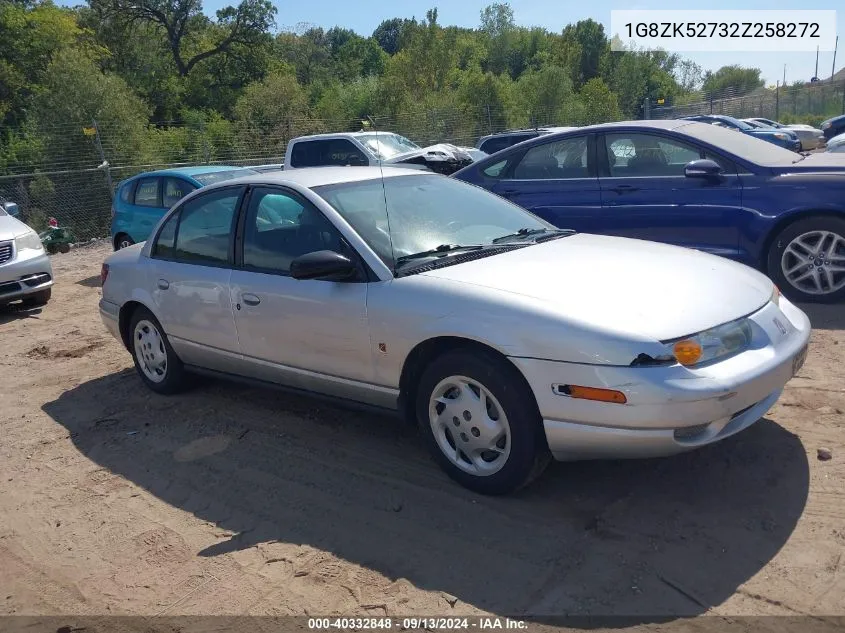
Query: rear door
(646, 195)
(145, 208)
(191, 266)
(555, 180)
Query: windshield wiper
(438, 251)
(539, 235)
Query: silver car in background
(810, 137)
(507, 340)
(25, 271)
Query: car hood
(629, 287)
(820, 162)
(10, 228)
(443, 158)
(758, 132)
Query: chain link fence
(799, 103)
(75, 177)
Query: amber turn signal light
(687, 352)
(594, 393)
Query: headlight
(29, 241)
(718, 342)
(826, 125)
(782, 136)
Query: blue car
(690, 184)
(142, 200)
(783, 138)
(833, 126)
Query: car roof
(329, 135)
(189, 171)
(318, 176)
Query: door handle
(163, 284)
(250, 299)
(624, 188)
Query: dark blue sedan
(689, 184)
(782, 137)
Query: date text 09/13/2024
(417, 623)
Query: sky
(363, 16)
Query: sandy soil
(236, 500)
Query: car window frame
(159, 205)
(518, 155)
(365, 272)
(604, 163)
(179, 207)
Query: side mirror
(704, 168)
(323, 265)
(12, 209)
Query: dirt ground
(236, 500)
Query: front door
(192, 259)
(645, 194)
(556, 181)
(307, 334)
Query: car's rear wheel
(480, 422)
(38, 299)
(807, 260)
(155, 361)
(122, 241)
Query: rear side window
(166, 240)
(147, 193)
(205, 228)
(318, 153)
(126, 192)
(174, 190)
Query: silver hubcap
(150, 351)
(470, 425)
(124, 243)
(814, 262)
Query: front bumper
(669, 409)
(27, 272)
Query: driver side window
(564, 159)
(279, 227)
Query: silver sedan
(508, 341)
(26, 274)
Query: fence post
(777, 101)
(489, 119)
(104, 164)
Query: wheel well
(425, 352)
(116, 239)
(125, 319)
(785, 222)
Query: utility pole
(833, 65)
(784, 74)
(816, 74)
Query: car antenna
(372, 123)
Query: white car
(810, 137)
(26, 274)
(508, 341)
(836, 144)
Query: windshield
(742, 125)
(749, 148)
(387, 145)
(219, 176)
(426, 211)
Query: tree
(598, 103)
(497, 24)
(737, 79)
(184, 25)
(389, 34)
(591, 40)
(690, 76)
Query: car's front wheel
(480, 422)
(807, 260)
(155, 361)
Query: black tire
(64, 248)
(529, 454)
(122, 240)
(38, 299)
(777, 250)
(175, 378)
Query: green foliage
(741, 80)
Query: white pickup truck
(374, 148)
